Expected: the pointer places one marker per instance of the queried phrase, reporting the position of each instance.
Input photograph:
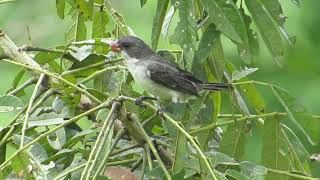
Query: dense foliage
(81, 119)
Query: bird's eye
(126, 45)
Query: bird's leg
(140, 99)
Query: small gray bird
(156, 75)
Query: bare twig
(23, 86)
(33, 97)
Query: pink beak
(115, 47)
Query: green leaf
(181, 153)
(9, 103)
(296, 2)
(18, 77)
(158, 19)
(85, 8)
(143, 2)
(78, 137)
(218, 158)
(253, 171)
(237, 75)
(272, 142)
(208, 41)
(227, 19)
(21, 163)
(77, 31)
(45, 57)
(274, 9)
(301, 157)
(81, 53)
(61, 154)
(100, 21)
(167, 21)
(57, 139)
(233, 141)
(236, 174)
(46, 122)
(60, 4)
(267, 28)
(185, 33)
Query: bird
(157, 76)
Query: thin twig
(136, 164)
(50, 74)
(33, 96)
(176, 124)
(148, 155)
(290, 174)
(101, 140)
(124, 149)
(22, 86)
(101, 106)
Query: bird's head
(132, 47)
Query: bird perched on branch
(156, 75)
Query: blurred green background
(300, 73)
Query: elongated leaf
(162, 6)
(100, 21)
(60, 4)
(47, 122)
(57, 139)
(227, 19)
(181, 153)
(296, 2)
(78, 137)
(253, 171)
(9, 103)
(275, 10)
(233, 141)
(236, 174)
(272, 142)
(267, 28)
(208, 41)
(18, 77)
(21, 163)
(301, 157)
(185, 33)
(77, 31)
(167, 20)
(237, 75)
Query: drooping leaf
(167, 20)
(158, 19)
(60, 5)
(100, 20)
(18, 77)
(9, 103)
(77, 31)
(181, 153)
(233, 141)
(185, 33)
(301, 157)
(237, 75)
(267, 28)
(57, 139)
(275, 10)
(44, 57)
(272, 142)
(227, 18)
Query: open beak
(115, 47)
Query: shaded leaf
(77, 31)
(167, 20)
(227, 19)
(78, 137)
(60, 5)
(267, 28)
(143, 2)
(18, 77)
(44, 57)
(9, 103)
(85, 8)
(180, 153)
(218, 158)
(100, 21)
(21, 163)
(185, 33)
(57, 139)
(236, 174)
(237, 75)
(272, 142)
(253, 171)
(158, 19)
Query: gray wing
(173, 77)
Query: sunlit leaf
(180, 153)
(81, 53)
(44, 57)
(57, 139)
(100, 20)
(253, 171)
(167, 20)
(77, 31)
(85, 8)
(143, 2)
(236, 174)
(158, 19)
(21, 163)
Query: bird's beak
(115, 47)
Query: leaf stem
(32, 99)
(286, 173)
(22, 86)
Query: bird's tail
(216, 86)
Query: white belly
(141, 76)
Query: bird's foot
(140, 99)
